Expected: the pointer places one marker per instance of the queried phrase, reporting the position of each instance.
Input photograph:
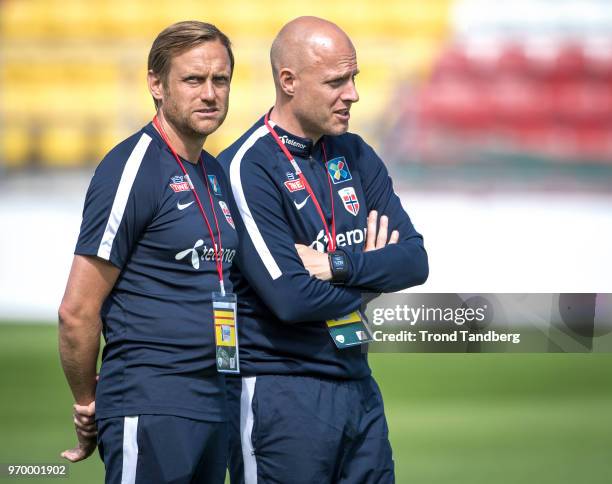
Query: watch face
(338, 261)
(338, 266)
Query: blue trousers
(307, 430)
(150, 449)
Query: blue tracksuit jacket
(282, 309)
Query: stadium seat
(103, 136)
(483, 58)
(541, 59)
(70, 63)
(599, 61)
(452, 63)
(570, 63)
(459, 105)
(516, 100)
(15, 146)
(512, 61)
(583, 102)
(64, 146)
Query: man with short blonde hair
(156, 241)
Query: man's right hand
(85, 426)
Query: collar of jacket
(297, 146)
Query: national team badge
(180, 183)
(338, 170)
(349, 199)
(212, 179)
(227, 213)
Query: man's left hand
(86, 430)
(376, 237)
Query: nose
(350, 93)
(207, 92)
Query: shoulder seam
(126, 182)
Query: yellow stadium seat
(21, 20)
(66, 62)
(104, 138)
(63, 146)
(15, 145)
(77, 20)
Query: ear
(287, 80)
(156, 87)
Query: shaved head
(314, 65)
(303, 41)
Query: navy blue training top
(140, 215)
(282, 309)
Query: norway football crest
(338, 170)
(212, 179)
(349, 199)
(227, 213)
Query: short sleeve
(120, 202)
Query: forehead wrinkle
(192, 61)
(332, 64)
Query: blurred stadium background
(495, 119)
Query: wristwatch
(338, 264)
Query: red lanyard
(331, 239)
(218, 249)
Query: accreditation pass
(350, 330)
(226, 332)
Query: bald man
(306, 408)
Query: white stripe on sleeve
(121, 197)
(243, 208)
